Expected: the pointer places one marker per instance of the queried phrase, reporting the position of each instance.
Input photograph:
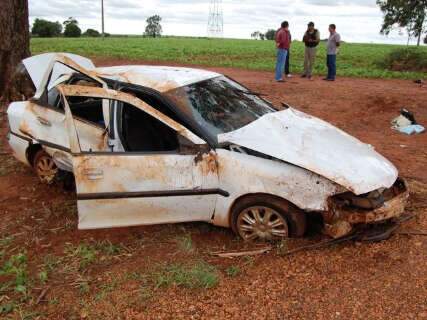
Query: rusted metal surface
(82, 91)
(339, 220)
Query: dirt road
(117, 274)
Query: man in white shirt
(334, 42)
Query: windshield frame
(210, 137)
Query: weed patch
(198, 275)
(232, 271)
(16, 270)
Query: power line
(215, 20)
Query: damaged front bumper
(346, 211)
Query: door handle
(44, 121)
(93, 173)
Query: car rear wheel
(45, 167)
(267, 218)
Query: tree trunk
(419, 40)
(14, 43)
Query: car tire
(44, 166)
(267, 218)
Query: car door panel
(126, 189)
(129, 212)
(47, 127)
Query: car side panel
(17, 142)
(19, 147)
(242, 174)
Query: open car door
(43, 119)
(116, 189)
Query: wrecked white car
(150, 145)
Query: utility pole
(102, 13)
(215, 20)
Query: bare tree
(14, 42)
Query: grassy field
(355, 60)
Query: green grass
(355, 60)
(197, 275)
(232, 271)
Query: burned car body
(149, 145)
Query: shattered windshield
(219, 105)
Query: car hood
(318, 146)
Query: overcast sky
(357, 20)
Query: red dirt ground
(353, 280)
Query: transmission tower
(215, 20)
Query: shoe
(289, 75)
(328, 79)
(310, 78)
(303, 76)
(280, 80)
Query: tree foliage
(91, 33)
(257, 35)
(270, 34)
(44, 28)
(72, 29)
(409, 14)
(153, 28)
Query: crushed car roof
(159, 78)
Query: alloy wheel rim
(262, 223)
(46, 169)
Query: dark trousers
(287, 63)
(331, 62)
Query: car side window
(54, 100)
(88, 109)
(140, 132)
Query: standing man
(311, 40)
(288, 57)
(282, 45)
(334, 42)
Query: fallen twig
(412, 232)
(233, 254)
(322, 244)
(42, 294)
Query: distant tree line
(47, 29)
(268, 35)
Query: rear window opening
(87, 108)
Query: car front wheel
(267, 219)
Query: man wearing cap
(334, 42)
(311, 40)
